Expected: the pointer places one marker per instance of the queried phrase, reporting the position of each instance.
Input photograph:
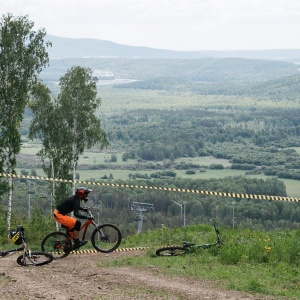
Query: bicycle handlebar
(88, 209)
(7, 252)
(4, 253)
(89, 212)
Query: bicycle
(105, 238)
(28, 258)
(188, 247)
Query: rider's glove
(90, 218)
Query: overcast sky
(169, 24)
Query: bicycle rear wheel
(35, 258)
(106, 238)
(57, 243)
(170, 251)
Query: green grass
(123, 174)
(292, 187)
(250, 261)
(116, 100)
(297, 149)
(30, 148)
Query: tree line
(276, 89)
(115, 205)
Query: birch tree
(79, 102)
(66, 125)
(45, 126)
(23, 55)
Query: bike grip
(3, 253)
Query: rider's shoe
(78, 244)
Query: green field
(116, 100)
(119, 169)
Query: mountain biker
(67, 206)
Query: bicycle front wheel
(34, 258)
(170, 251)
(57, 243)
(106, 238)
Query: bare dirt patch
(78, 277)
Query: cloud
(171, 24)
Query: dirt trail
(78, 277)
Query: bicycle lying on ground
(188, 247)
(105, 238)
(28, 258)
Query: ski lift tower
(182, 205)
(31, 191)
(141, 208)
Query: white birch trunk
(74, 158)
(74, 153)
(74, 166)
(53, 193)
(9, 205)
(10, 157)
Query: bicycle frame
(187, 247)
(105, 238)
(86, 225)
(205, 246)
(28, 257)
(23, 248)
(83, 227)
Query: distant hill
(287, 88)
(93, 48)
(224, 70)
(270, 73)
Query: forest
(172, 116)
(151, 145)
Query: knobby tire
(106, 238)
